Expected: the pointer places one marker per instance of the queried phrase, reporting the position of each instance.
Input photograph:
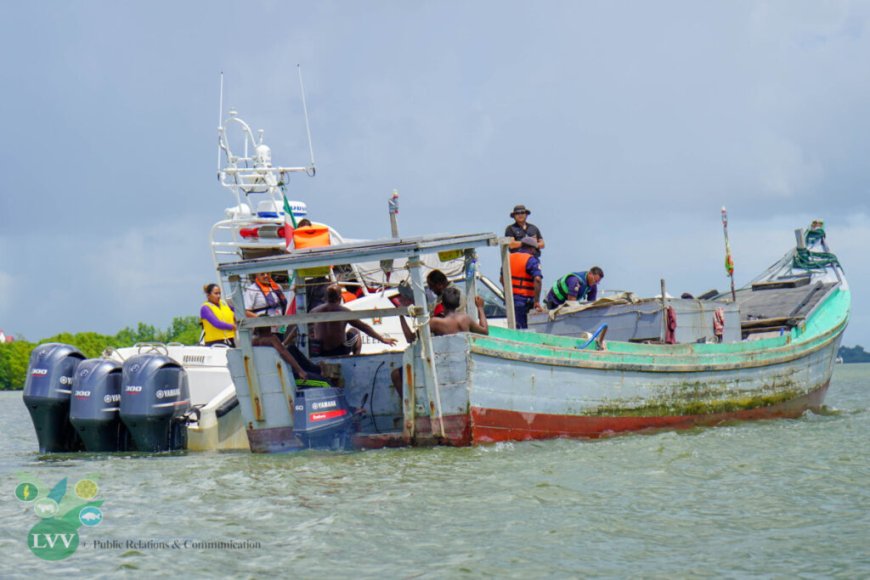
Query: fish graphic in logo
(91, 516)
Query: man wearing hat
(525, 280)
(521, 228)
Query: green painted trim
(825, 325)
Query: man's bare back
(332, 335)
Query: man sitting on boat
(436, 283)
(526, 281)
(455, 320)
(332, 338)
(575, 286)
(265, 298)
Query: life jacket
(347, 296)
(523, 284)
(272, 287)
(311, 237)
(561, 290)
(222, 313)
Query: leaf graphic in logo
(58, 491)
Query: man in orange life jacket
(526, 280)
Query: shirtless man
(453, 322)
(333, 337)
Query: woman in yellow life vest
(217, 318)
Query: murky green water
(771, 498)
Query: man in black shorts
(332, 338)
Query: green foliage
(14, 359)
(856, 354)
(15, 356)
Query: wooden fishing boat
(514, 385)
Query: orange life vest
(311, 237)
(523, 284)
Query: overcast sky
(624, 126)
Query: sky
(623, 126)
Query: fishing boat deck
(771, 305)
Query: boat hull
(497, 425)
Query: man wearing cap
(575, 286)
(521, 228)
(526, 280)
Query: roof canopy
(357, 252)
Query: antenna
(220, 125)
(305, 109)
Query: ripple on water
(762, 498)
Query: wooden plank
(310, 318)
(243, 338)
(774, 284)
(506, 282)
(353, 253)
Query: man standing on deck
(575, 286)
(521, 229)
(332, 338)
(526, 280)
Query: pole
(393, 205)
(220, 125)
(507, 284)
(729, 261)
(307, 126)
(664, 313)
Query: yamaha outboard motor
(46, 394)
(322, 419)
(95, 406)
(154, 399)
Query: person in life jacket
(526, 280)
(217, 318)
(265, 298)
(575, 286)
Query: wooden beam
(310, 317)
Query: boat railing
(410, 249)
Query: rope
(814, 261)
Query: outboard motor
(322, 419)
(95, 406)
(46, 395)
(154, 399)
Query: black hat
(520, 209)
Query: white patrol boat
(166, 397)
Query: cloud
(7, 291)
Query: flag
(289, 221)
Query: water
(769, 498)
